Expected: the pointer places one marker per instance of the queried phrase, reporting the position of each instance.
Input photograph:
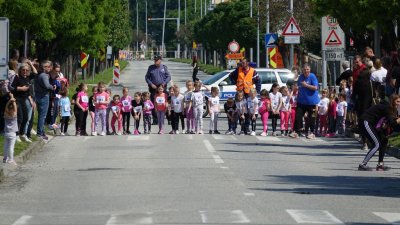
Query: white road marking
(190, 136)
(127, 219)
(138, 138)
(209, 146)
(224, 167)
(240, 217)
(203, 216)
(22, 220)
(393, 218)
(112, 220)
(268, 139)
(249, 194)
(313, 216)
(312, 140)
(217, 159)
(234, 138)
(218, 137)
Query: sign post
(333, 44)
(4, 47)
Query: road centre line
(22, 220)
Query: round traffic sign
(331, 21)
(233, 47)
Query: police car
(227, 89)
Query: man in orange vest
(245, 77)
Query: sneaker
(33, 132)
(12, 162)
(274, 134)
(161, 132)
(103, 133)
(82, 134)
(119, 133)
(62, 134)
(55, 126)
(4, 159)
(128, 132)
(241, 133)
(363, 167)
(79, 133)
(382, 168)
(311, 136)
(253, 133)
(25, 138)
(216, 132)
(136, 132)
(200, 132)
(109, 133)
(294, 135)
(177, 132)
(44, 137)
(184, 132)
(94, 133)
(228, 132)
(210, 132)
(264, 134)
(18, 139)
(192, 132)
(365, 147)
(171, 132)
(50, 127)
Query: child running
(102, 101)
(285, 111)
(126, 101)
(177, 105)
(116, 109)
(189, 110)
(10, 131)
(276, 102)
(161, 105)
(252, 105)
(65, 111)
(148, 106)
(323, 113)
(213, 105)
(265, 107)
(230, 110)
(137, 110)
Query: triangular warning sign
(292, 28)
(333, 39)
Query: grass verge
(395, 141)
(206, 68)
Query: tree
(120, 33)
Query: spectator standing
(306, 101)
(42, 94)
(379, 75)
(157, 74)
(195, 68)
(244, 77)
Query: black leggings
(80, 123)
(137, 122)
(253, 122)
(274, 118)
(126, 116)
(300, 111)
(22, 115)
(175, 120)
(64, 123)
(377, 138)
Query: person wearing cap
(157, 74)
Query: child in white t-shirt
(213, 106)
(323, 113)
(276, 100)
(252, 106)
(341, 111)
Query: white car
(227, 89)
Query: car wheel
(205, 108)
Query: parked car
(228, 90)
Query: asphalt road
(198, 179)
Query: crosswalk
(294, 216)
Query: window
(267, 77)
(285, 76)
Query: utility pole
(251, 16)
(267, 30)
(185, 13)
(137, 25)
(178, 25)
(258, 33)
(163, 31)
(291, 62)
(201, 8)
(195, 6)
(146, 24)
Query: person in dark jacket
(347, 73)
(376, 124)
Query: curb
(392, 151)
(33, 148)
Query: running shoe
(177, 132)
(94, 133)
(365, 147)
(103, 133)
(382, 168)
(311, 136)
(4, 159)
(264, 134)
(253, 133)
(210, 132)
(363, 167)
(216, 132)
(294, 135)
(12, 162)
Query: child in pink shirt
(116, 109)
(161, 105)
(126, 102)
(263, 109)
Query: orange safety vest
(245, 82)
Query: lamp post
(163, 31)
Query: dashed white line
(217, 159)
(22, 220)
(209, 146)
(138, 138)
(203, 216)
(268, 139)
(224, 167)
(313, 216)
(234, 138)
(112, 220)
(240, 217)
(393, 218)
(218, 137)
(248, 194)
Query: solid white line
(203, 216)
(249, 194)
(393, 218)
(224, 167)
(112, 220)
(138, 138)
(312, 140)
(268, 139)
(144, 220)
(209, 146)
(217, 159)
(313, 216)
(22, 220)
(218, 137)
(241, 217)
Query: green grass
(105, 76)
(394, 141)
(206, 68)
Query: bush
(206, 68)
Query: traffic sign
(4, 32)
(233, 46)
(292, 39)
(271, 40)
(332, 35)
(334, 55)
(292, 28)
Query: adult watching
(307, 100)
(42, 91)
(245, 77)
(157, 74)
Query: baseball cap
(157, 57)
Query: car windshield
(285, 76)
(215, 77)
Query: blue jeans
(55, 111)
(29, 109)
(42, 103)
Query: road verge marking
(313, 216)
